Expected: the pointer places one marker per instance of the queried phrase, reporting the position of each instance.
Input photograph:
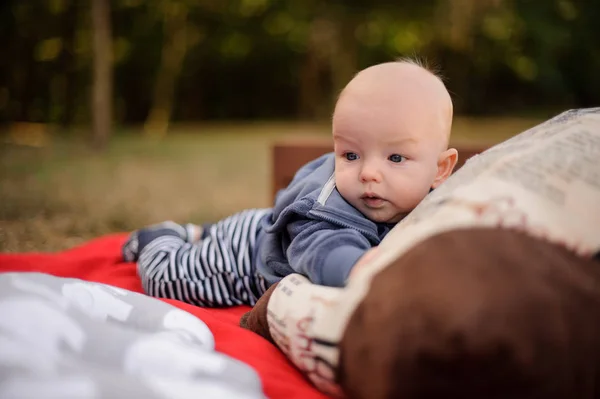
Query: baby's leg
(188, 232)
(215, 271)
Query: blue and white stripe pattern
(213, 272)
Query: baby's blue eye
(351, 156)
(396, 158)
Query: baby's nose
(370, 173)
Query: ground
(60, 194)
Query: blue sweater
(313, 231)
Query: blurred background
(115, 114)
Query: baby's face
(386, 153)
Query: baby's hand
(363, 261)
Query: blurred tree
(175, 45)
(67, 62)
(102, 80)
(331, 49)
(250, 59)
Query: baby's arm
(363, 261)
(323, 253)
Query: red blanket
(100, 260)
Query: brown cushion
(256, 319)
(478, 313)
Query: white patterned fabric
(68, 338)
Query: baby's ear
(446, 163)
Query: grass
(61, 194)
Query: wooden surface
(289, 155)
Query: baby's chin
(383, 215)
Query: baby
(391, 127)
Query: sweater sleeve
(324, 253)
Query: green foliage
(260, 59)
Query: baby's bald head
(405, 88)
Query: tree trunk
(173, 53)
(102, 83)
(343, 60)
(332, 48)
(67, 64)
(309, 93)
(454, 45)
(312, 101)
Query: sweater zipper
(331, 220)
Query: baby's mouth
(372, 201)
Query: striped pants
(215, 271)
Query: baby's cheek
(343, 181)
(409, 193)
